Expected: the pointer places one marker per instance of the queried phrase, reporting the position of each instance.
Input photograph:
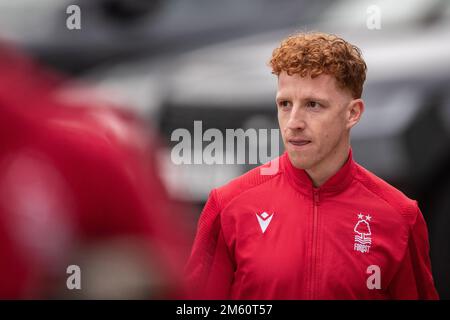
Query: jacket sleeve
(210, 268)
(414, 279)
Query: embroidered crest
(363, 239)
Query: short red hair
(316, 53)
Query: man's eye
(284, 104)
(312, 104)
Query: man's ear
(355, 110)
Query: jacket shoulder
(401, 204)
(251, 179)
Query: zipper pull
(316, 197)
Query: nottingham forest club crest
(363, 234)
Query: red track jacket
(278, 237)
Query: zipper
(314, 243)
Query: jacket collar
(335, 184)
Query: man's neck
(329, 166)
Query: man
(322, 226)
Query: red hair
(316, 53)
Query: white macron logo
(264, 220)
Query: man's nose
(296, 119)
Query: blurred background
(169, 63)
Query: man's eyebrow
(279, 97)
(307, 98)
(282, 95)
(318, 99)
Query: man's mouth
(299, 142)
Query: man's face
(313, 115)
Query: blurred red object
(79, 185)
